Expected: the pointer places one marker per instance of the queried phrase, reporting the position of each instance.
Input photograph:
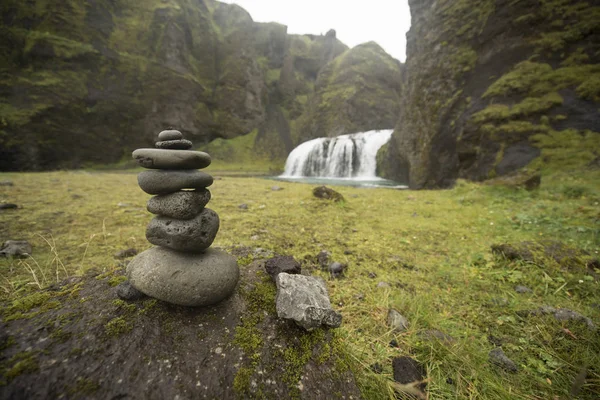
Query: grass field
(432, 248)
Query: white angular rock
(304, 300)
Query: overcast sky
(355, 21)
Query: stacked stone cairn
(182, 269)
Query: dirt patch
(90, 344)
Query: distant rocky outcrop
(85, 74)
(491, 86)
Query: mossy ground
(431, 247)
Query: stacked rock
(182, 269)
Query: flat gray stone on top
(183, 278)
(184, 204)
(304, 300)
(181, 144)
(169, 181)
(171, 159)
(191, 235)
(170, 134)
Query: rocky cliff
(86, 81)
(495, 85)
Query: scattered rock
(8, 206)
(254, 237)
(6, 183)
(411, 375)
(279, 264)
(324, 259)
(243, 206)
(304, 300)
(127, 292)
(394, 343)
(16, 248)
(377, 368)
(383, 285)
(561, 314)
(192, 235)
(323, 192)
(541, 252)
(496, 341)
(522, 289)
(126, 253)
(276, 188)
(184, 204)
(336, 269)
(183, 278)
(497, 357)
(434, 334)
(396, 321)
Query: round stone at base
(183, 278)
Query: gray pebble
(500, 359)
(6, 183)
(170, 135)
(522, 289)
(8, 206)
(164, 182)
(396, 321)
(243, 206)
(193, 235)
(184, 204)
(127, 292)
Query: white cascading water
(347, 156)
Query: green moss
(116, 280)
(83, 386)
(565, 150)
(248, 335)
(117, 326)
(28, 302)
(590, 88)
(123, 305)
(529, 106)
(19, 364)
(241, 381)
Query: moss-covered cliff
(357, 91)
(86, 81)
(492, 86)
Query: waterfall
(347, 156)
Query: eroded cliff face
(491, 86)
(87, 81)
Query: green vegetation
(240, 155)
(431, 247)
